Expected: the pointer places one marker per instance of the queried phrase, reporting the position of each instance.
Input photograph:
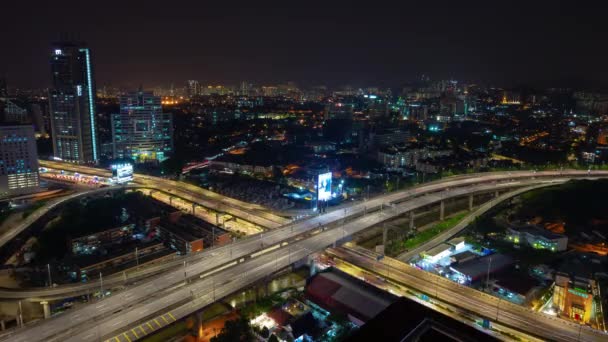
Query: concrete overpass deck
(358, 217)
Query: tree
(173, 165)
(265, 332)
(235, 330)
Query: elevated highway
(253, 213)
(282, 246)
(254, 243)
(46, 208)
(494, 308)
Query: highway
(252, 244)
(244, 273)
(494, 308)
(205, 261)
(254, 213)
(33, 217)
(444, 236)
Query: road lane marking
(172, 316)
(125, 335)
(166, 321)
(142, 330)
(134, 333)
(155, 321)
(150, 325)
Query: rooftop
(349, 293)
(438, 249)
(516, 281)
(457, 240)
(406, 320)
(478, 267)
(538, 231)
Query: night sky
(308, 42)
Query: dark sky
(309, 42)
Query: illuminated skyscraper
(194, 88)
(72, 103)
(18, 160)
(141, 131)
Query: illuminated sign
(122, 173)
(578, 292)
(58, 52)
(324, 187)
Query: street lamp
(498, 308)
(136, 256)
(101, 284)
(185, 274)
(48, 267)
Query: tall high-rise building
(72, 103)
(18, 160)
(141, 131)
(194, 88)
(3, 88)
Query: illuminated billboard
(122, 173)
(324, 187)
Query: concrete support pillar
(412, 219)
(193, 208)
(217, 219)
(441, 211)
(198, 327)
(47, 309)
(2, 325)
(170, 200)
(496, 194)
(470, 202)
(20, 316)
(384, 235)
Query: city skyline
(338, 44)
(289, 171)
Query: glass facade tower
(72, 103)
(141, 131)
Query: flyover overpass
(254, 213)
(252, 244)
(494, 308)
(280, 247)
(40, 212)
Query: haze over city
(303, 171)
(359, 43)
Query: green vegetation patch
(396, 247)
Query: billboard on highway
(324, 187)
(122, 173)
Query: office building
(141, 131)
(341, 111)
(72, 103)
(18, 160)
(537, 238)
(15, 111)
(389, 136)
(194, 88)
(407, 155)
(3, 88)
(577, 294)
